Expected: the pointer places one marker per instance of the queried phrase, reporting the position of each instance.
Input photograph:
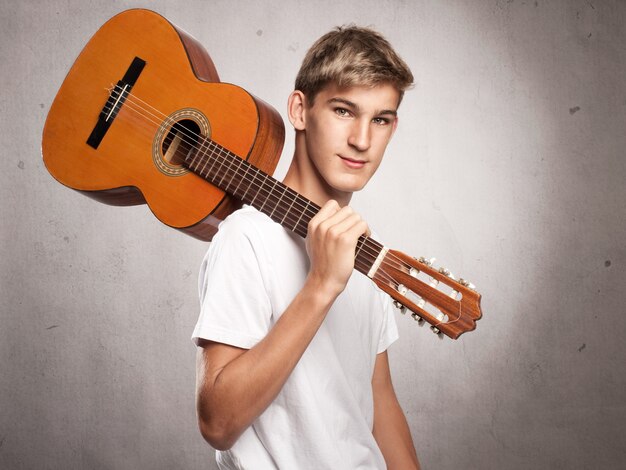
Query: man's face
(347, 131)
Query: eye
(381, 121)
(343, 112)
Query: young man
(292, 368)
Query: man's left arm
(391, 430)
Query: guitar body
(132, 162)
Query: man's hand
(331, 243)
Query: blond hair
(352, 56)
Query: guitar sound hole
(180, 142)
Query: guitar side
(178, 82)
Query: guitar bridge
(114, 103)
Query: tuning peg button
(399, 306)
(427, 262)
(435, 330)
(467, 284)
(402, 289)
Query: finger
(349, 229)
(323, 225)
(339, 216)
(340, 223)
(327, 210)
(358, 228)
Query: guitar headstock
(450, 306)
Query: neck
(303, 177)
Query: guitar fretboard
(234, 175)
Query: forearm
(391, 430)
(393, 436)
(232, 396)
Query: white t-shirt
(323, 416)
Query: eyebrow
(356, 107)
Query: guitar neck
(283, 205)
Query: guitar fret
(234, 173)
(247, 167)
(288, 212)
(243, 198)
(284, 212)
(268, 196)
(279, 199)
(195, 154)
(260, 187)
(214, 160)
(358, 250)
(301, 214)
(204, 149)
(223, 164)
(229, 161)
(206, 160)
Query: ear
(296, 110)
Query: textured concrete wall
(508, 165)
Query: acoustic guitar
(142, 117)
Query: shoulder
(244, 223)
(237, 248)
(247, 231)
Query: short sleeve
(235, 307)
(389, 330)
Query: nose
(360, 137)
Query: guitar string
(366, 250)
(394, 284)
(261, 186)
(390, 280)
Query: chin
(349, 186)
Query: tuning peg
(467, 284)
(435, 330)
(413, 272)
(418, 319)
(446, 272)
(427, 262)
(399, 306)
(402, 289)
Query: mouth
(353, 163)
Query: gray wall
(508, 166)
